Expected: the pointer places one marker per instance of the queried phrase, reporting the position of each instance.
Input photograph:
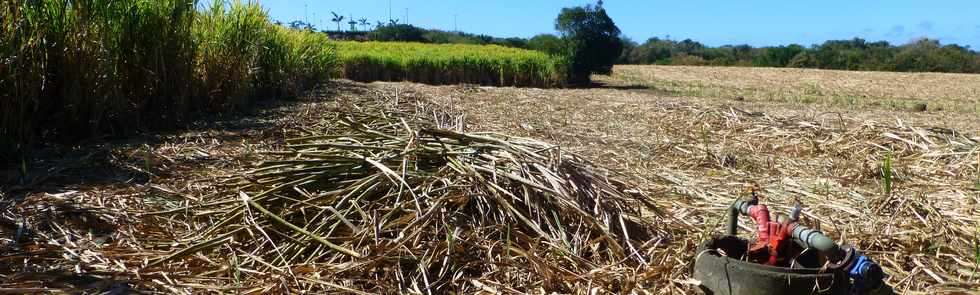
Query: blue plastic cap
(867, 275)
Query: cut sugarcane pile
(376, 203)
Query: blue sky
(716, 22)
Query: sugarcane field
(314, 147)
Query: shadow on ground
(55, 168)
(634, 88)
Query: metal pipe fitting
(739, 207)
(805, 237)
(867, 275)
(811, 238)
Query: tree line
(590, 24)
(589, 40)
(921, 55)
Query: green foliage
(591, 39)
(802, 60)
(923, 55)
(780, 55)
(398, 32)
(706, 139)
(512, 42)
(229, 41)
(443, 37)
(409, 33)
(628, 46)
(654, 51)
(449, 64)
(292, 61)
(886, 174)
(546, 43)
(71, 69)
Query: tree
(802, 60)
(591, 41)
(393, 32)
(301, 25)
(628, 46)
(364, 23)
(512, 42)
(776, 56)
(546, 43)
(654, 51)
(337, 19)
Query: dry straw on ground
(383, 201)
(690, 155)
(855, 89)
(695, 154)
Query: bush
(547, 43)
(591, 41)
(924, 55)
(687, 60)
(398, 32)
(802, 60)
(628, 46)
(443, 37)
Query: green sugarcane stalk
(317, 238)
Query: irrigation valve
(774, 245)
(867, 275)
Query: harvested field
(847, 89)
(696, 154)
(690, 155)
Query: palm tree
(337, 19)
(364, 23)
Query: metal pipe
(733, 220)
(794, 214)
(739, 207)
(867, 275)
(811, 238)
(805, 237)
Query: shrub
(398, 32)
(687, 60)
(548, 43)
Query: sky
(714, 23)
